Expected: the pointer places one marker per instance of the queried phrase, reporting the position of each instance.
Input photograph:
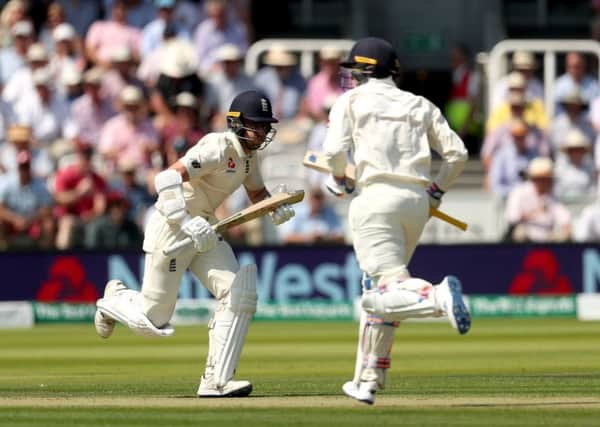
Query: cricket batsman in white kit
(389, 133)
(189, 191)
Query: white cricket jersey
(217, 165)
(390, 133)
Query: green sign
(522, 306)
(305, 311)
(63, 312)
(424, 42)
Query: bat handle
(176, 246)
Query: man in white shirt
(188, 193)
(390, 133)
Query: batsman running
(188, 193)
(389, 132)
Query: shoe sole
(109, 328)
(240, 392)
(460, 311)
(353, 396)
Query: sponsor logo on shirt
(195, 164)
(230, 165)
(173, 265)
(247, 167)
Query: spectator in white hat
(575, 77)
(67, 49)
(93, 109)
(532, 212)
(524, 63)
(20, 86)
(324, 84)
(120, 73)
(55, 16)
(574, 115)
(575, 171)
(13, 57)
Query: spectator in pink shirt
(323, 85)
(104, 36)
(130, 134)
(120, 74)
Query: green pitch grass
(507, 372)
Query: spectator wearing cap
(80, 195)
(532, 212)
(228, 80)
(45, 112)
(25, 207)
(524, 63)
(183, 131)
(324, 84)
(70, 84)
(281, 82)
(130, 134)
(575, 177)
(135, 191)
(574, 115)
(509, 164)
(93, 109)
(517, 105)
(153, 32)
(12, 12)
(67, 50)
(120, 73)
(113, 230)
(104, 36)
(55, 16)
(13, 57)
(20, 85)
(214, 31)
(576, 77)
(19, 138)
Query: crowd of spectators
(100, 95)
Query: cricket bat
(251, 212)
(316, 161)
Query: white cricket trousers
(216, 269)
(387, 221)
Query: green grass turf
(505, 372)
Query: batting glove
(201, 233)
(435, 195)
(282, 214)
(338, 187)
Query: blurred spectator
(121, 73)
(575, 78)
(81, 13)
(130, 134)
(13, 57)
(47, 114)
(587, 226)
(113, 230)
(575, 175)
(517, 105)
(93, 109)
(19, 138)
(509, 163)
(67, 50)
(533, 214)
(462, 109)
(324, 84)
(139, 12)
(6, 118)
(80, 194)
(229, 80)
(12, 12)
(315, 222)
(524, 63)
(281, 82)
(25, 208)
(573, 116)
(153, 33)
(138, 197)
(104, 36)
(70, 85)
(183, 131)
(20, 85)
(55, 16)
(216, 30)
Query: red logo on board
(67, 282)
(540, 274)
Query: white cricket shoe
(106, 325)
(363, 392)
(231, 389)
(449, 292)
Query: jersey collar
(235, 143)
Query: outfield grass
(503, 373)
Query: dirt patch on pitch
(299, 402)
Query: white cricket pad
(171, 202)
(232, 324)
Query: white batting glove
(435, 195)
(338, 187)
(201, 233)
(282, 214)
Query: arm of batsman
(201, 233)
(282, 214)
